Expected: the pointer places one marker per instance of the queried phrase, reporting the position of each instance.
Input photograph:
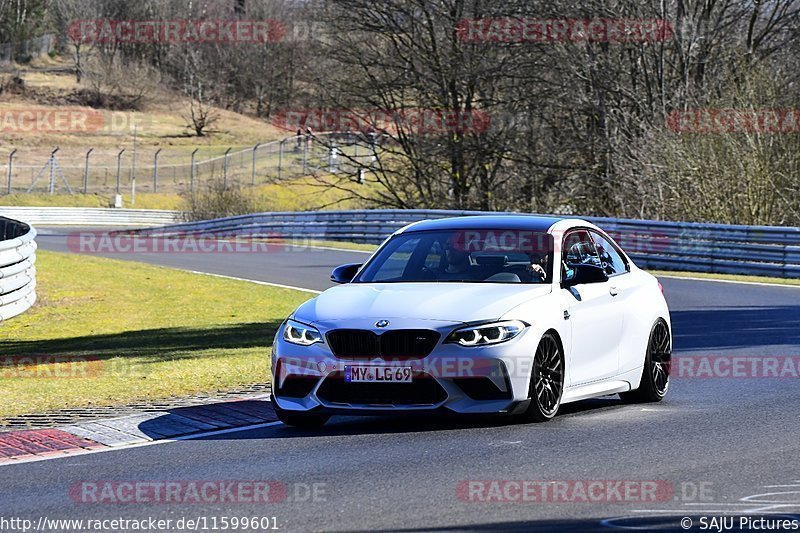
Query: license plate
(377, 374)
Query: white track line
(75, 453)
(687, 278)
(266, 283)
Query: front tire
(654, 384)
(547, 381)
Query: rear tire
(299, 419)
(655, 374)
(547, 381)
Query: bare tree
(66, 16)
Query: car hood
(449, 302)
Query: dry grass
(161, 123)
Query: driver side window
(394, 266)
(611, 260)
(578, 249)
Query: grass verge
(336, 245)
(299, 194)
(166, 201)
(147, 332)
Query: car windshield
(463, 256)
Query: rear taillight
(661, 287)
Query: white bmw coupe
(488, 314)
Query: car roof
(487, 222)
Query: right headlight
(487, 334)
(301, 334)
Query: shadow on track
(736, 327)
(367, 425)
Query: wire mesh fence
(179, 169)
(26, 50)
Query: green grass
(166, 201)
(156, 332)
(299, 194)
(55, 200)
(339, 245)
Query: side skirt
(621, 383)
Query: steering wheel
(428, 273)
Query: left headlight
(487, 334)
(297, 333)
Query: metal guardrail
(86, 216)
(17, 270)
(696, 247)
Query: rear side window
(611, 259)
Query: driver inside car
(605, 258)
(538, 267)
(458, 262)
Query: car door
(595, 317)
(624, 287)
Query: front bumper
(467, 380)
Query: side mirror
(584, 274)
(345, 273)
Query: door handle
(613, 291)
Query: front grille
(408, 343)
(354, 343)
(424, 390)
(297, 386)
(396, 344)
(482, 389)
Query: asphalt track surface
(723, 445)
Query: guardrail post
(306, 147)
(133, 190)
(86, 172)
(255, 154)
(193, 170)
(333, 158)
(119, 169)
(133, 161)
(10, 166)
(155, 170)
(225, 168)
(52, 186)
(280, 159)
